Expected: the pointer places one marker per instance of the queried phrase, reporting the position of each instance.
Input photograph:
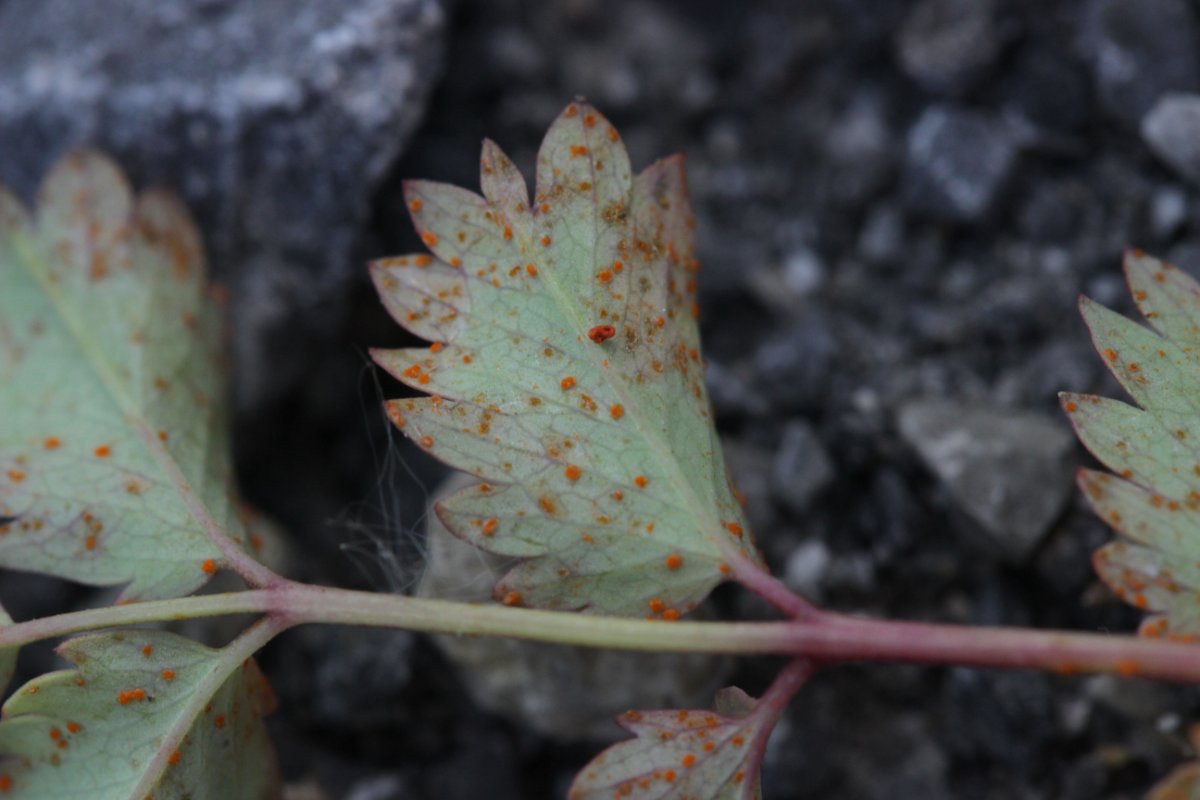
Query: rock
(1171, 130)
(1007, 470)
(562, 692)
(1139, 51)
(276, 121)
(805, 569)
(859, 151)
(801, 467)
(958, 163)
(945, 44)
(793, 366)
(1049, 88)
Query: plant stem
(770, 708)
(827, 638)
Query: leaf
(113, 448)
(1154, 447)
(8, 656)
(682, 754)
(566, 373)
(144, 713)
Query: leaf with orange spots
(1153, 500)
(714, 755)
(566, 374)
(144, 713)
(114, 460)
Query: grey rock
(793, 366)
(881, 240)
(1171, 129)
(958, 163)
(275, 120)
(1007, 470)
(563, 692)
(805, 569)
(1139, 51)
(944, 44)
(1049, 88)
(801, 467)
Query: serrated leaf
(1154, 498)
(566, 373)
(113, 448)
(145, 713)
(703, 755)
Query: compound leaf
(566, 373)
(144, 713)
(1153, 500)
(713, 755)
(114, 462)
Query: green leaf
(114, 456)
(604, 473)
(682, 754)
(145, 713)
(1153, 500)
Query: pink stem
(757, 579)
(771, 707)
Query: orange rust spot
(688, 760)
(413, 371)
(131, 695)
(724, 568)
(422, 260)
(103, 451)
(423, 379)
(674, 561)
(173, 759)
(1127, 667)
(16, 476)
(90, 542)
(6, 782)
(147, 650)
(545, 240)
(589, 120)
(578, 150)
(572, 472)
(55, 734)
(669, 776)
(436, 347)
(74, 727)
(1110, 354)
(567, 382)
(426, 442)
(612, 134)
(163, 436)
(738, 741)
(219, 721)
(604, 276)
(507, 233)
(168, 675)
(531, 269)
(52, 443)
(455, 261)
(657, 605)
(618, 495)
(571, 111)
(640, 481)
(512, 599)
(415, 205)
(587, 537)
(1133, 367)
(616, 411)
(601, 333)
(209, 566)
(467, 359)
(489, 526)
(1071, 406)
(671, 615)
(429, 238)
(1158, 276)
(547, 504)
(734, 528)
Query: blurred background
(897, 203)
